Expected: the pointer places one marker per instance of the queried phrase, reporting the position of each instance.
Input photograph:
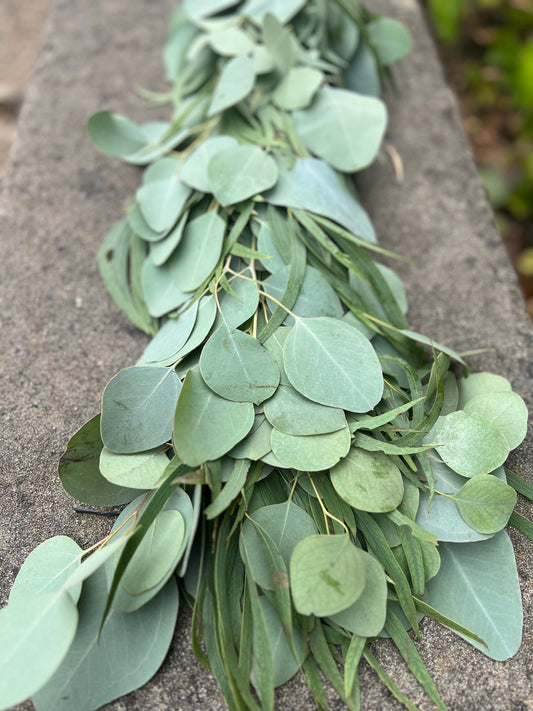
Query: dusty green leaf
(238, 173)
(234, 84)
(328, 126)
(198, 252)
(312, 452)
(485, 503)
(79, 470)
(470, 444)
(36, 633)
(477, 586)
(140, 471)
(290, 412)
(327, 575)
(124, 657)
(368, 481)
(237, 367)
(206, 426)
(194, 171)
(330, 362)
(366, 616)
(47, 568)
(297, 88)
(137, 409)
(505, 410)
(286, 524)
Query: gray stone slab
(62, 339)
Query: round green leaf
(441, 517)
(316, 298)
(140, 471)
(480, 384)
(327, 575)
(330, 362)
(198, 252)
(366, 616)
(234, 84)
(115, 135)
(160, 291)
(297, 88)
(314, 186)
(313, 452)
(127, 653)
(328, 126)
(206, 426)
(477, 586)
(194, 171)
(293, 414)
(486, 503)
(157, 555)
(139, 225)
(237, 367)
(36, 633)
(230, 42)
(283, 10)
(178, 502)
(171, 337)
(256, 444)
(161, 201)
(390, 38)
(47, 567)
(137, 409)
(286, 525)
(207, 310)
(368, 481)
(470, 444)
(239, 305)
(238, 173)
(285, 663)
(162, 250)
(505, 410)
(79, 470)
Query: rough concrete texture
(62, 339)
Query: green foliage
(292, 457)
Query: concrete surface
(62, 339)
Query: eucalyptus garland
(297, 464)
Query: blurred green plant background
(487, 50)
